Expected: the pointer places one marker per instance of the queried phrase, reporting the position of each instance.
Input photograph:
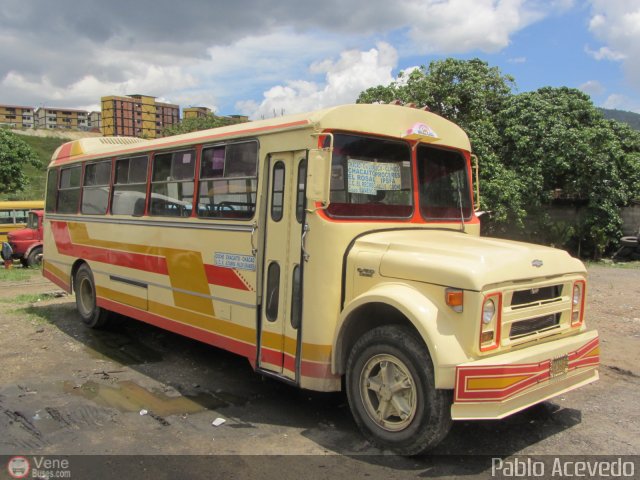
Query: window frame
(280, 166)
(467, 189)
(224, 178)
(181, 182)
(145, 184)
(96, 186)
(411, 190)
(62, 190)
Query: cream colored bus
(339, 244)
(14, 215)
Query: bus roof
(376, 119)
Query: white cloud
(518, 60)
(605, 53)
(622, 102)
(344, 79)
(592, 87)
(458, 26)
(616, 23)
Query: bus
(334, 249)
(14, 215)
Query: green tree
(196, 124)
(558, 141)
(15, 155)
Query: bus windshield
(370, 177)
(444, 184)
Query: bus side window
(277, 192)
(52, 190)
(228, 181)
(273, 291)
(95, 194)
(172, 184)
(300, 195)
(130, 186)
(69, 190)
(20, 216)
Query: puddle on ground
(128, 396)
(120, 348)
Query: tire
(417, 416)
(85, 289)
(34, 259)
(629, 241)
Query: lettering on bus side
(232, 260)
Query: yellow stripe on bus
(493, 383)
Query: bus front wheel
(391, 390)
(92, 315)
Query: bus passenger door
(282, 284)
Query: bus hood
(459, 260)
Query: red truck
(27, 242)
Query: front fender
(31, 247)
(436, 327)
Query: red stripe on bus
(317, 370)
(271, 357)
(65, 152)
(224, 277)
(138, 261)
(289, 362)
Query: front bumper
(501, 385)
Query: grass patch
(17, 274)
(30, 298)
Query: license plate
(559, 366)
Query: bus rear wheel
(92, 315)
(391, 390)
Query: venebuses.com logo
(38, 467)
(18, 467)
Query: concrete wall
(631, 219)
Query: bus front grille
(534, 325)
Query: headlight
(488, 311)
(490, 321)
(577, 303)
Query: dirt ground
(138, 390)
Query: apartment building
(196, 112)
(61, 118)
(16, 116)
(137, 116)
(95, 121)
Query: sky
(268, 57)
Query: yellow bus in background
(334, 248)
(14, 215)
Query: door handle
(305, 254)
(254, 227)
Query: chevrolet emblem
(537, 263)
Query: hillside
(631, 118)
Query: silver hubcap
(388, 392)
